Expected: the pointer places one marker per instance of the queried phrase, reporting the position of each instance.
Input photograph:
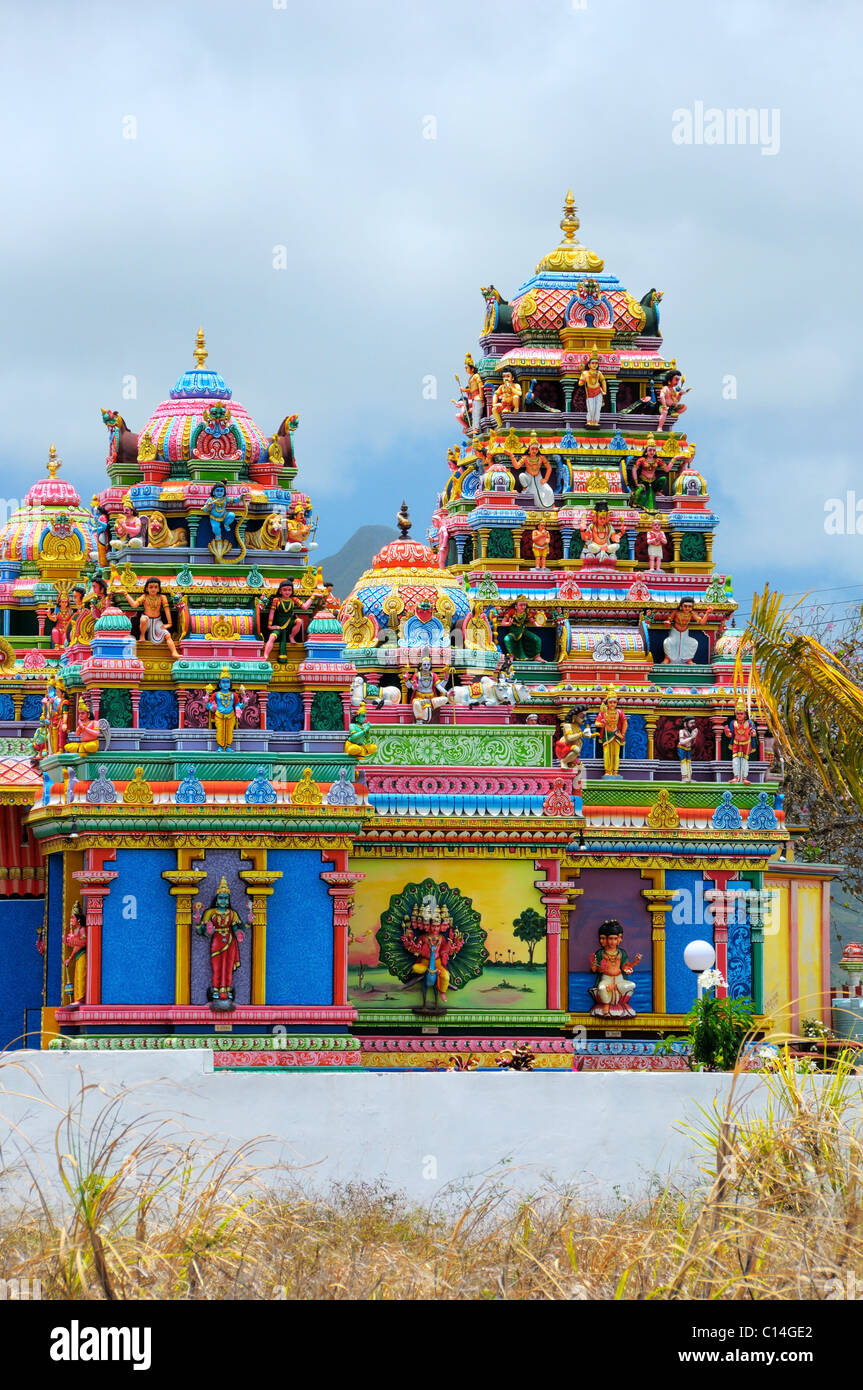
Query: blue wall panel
(20, 919)
(139, 934)
(299, 931)
(690, 919)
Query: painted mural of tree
(529, 927)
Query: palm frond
(811, 699)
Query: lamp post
(699, 956)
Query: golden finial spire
(200, 354)
(53, 462)
(569, 223)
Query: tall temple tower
(487, 798)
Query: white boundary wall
(419, 1133)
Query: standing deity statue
(540, 540)
(648, 476)
(55, 713)
(430, 935)
(656, 539)
(506, 399)
(743, 734)
(611, 724)
(100, 526)
(283, 620)
(686, 736)
(612, 966)
(222, 519)
(223, 926)
(61, 616)
(75, 957)
(225, 704)
(595, 387)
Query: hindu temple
(483, 801)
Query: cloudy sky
(259, 125)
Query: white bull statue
(501, 689)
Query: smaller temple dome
(113, 620)
(405, 554)
(325, 625)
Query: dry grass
(142, 1214)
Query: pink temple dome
(405, 554)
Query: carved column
(193, 523)
(651, 719)
(483, 542)
(517, 533)
(136, 701)
(676, 538)
(717, 897)
(262, 706)
(182, 697)
(184, 881)
(95, 700)
(613, 387)
(307, 710)
(341, 885)
(95, 881)
(459, 546)
(259, 886)
(566, 534)
(17, 702)
(346, 708)
(716, 723)
(568, 389)
(553, 898)
(658, 903)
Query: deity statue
(573, 731)
(298, 530)
(75, 957)
(540, 540)
(601, 541)
(88, 732)
(97, 601)
(429, 693)
(648, 476)
(128, 528)
(222, 520)
(284, 620)
(595, 387)
(101, 529)
(743, 734)
(430, 934)
(611, 724)
(61, 617)
(223, 926)
(225, 704)
(671, 397)
(360, 740)
(687, 734)
(656, 539)
(506, 399)
(612, 967)
(520, 643)
(55, 713)
(679, 646)
(472, 393)
(534, 475)
(156, 616)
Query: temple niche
(489, 794)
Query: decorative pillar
(716, 723)
(136, 700)
(717, 897)
(185, 882)
(17, 700)
(613, 387)
(95, 700)
(259, 886)
(341, 885)
(346, 709)
(568, 389)
(95, 882)
(708, 546)
(761, 727)
(651, 719)
(517, 533)
(193, 523)
(553, 895)
(460, 539)
(307, 710)
(658, 903)
(566, 534)
(676, 538)
(483, 542)
(182, 697)
(630, 541)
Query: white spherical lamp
(699, 955)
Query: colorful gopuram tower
(484, 800)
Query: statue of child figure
(612, 965)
